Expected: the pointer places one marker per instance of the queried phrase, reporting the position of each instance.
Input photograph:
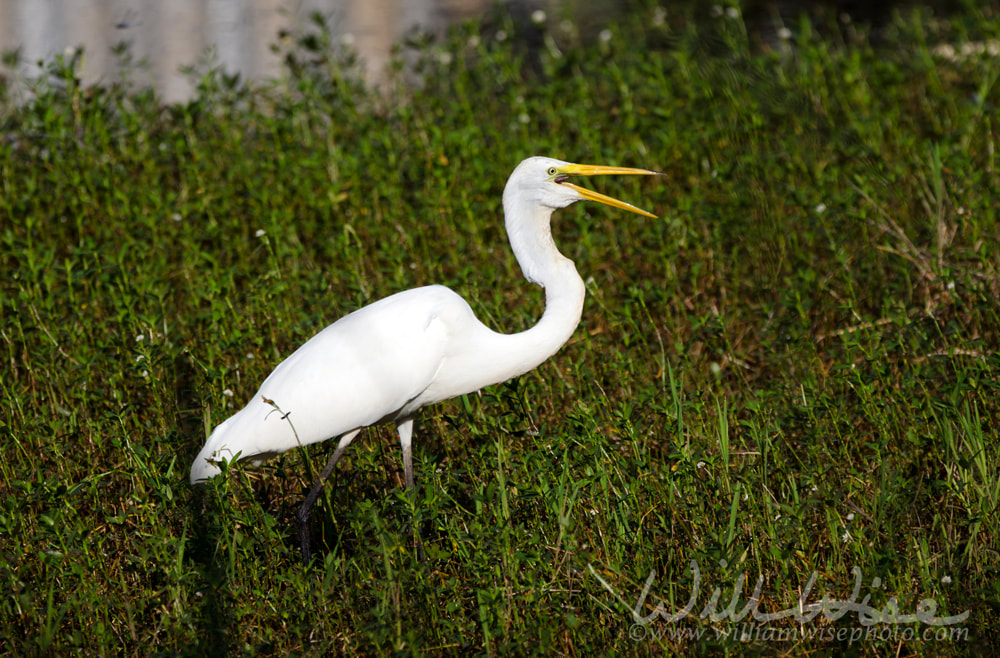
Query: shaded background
(244, 36)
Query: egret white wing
(360, 370)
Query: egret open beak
(600, 170)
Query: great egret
(385, 361)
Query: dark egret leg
(305, 509)
(405, 429)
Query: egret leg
(405, 429)
(305, 509)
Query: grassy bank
(791, 375)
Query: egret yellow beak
(600, 170)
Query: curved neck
(531, 240)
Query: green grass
(792, 372)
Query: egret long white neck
(531, 240)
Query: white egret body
(385, 361)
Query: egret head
(545, 182)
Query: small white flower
(474, 41)
(732, 12)
(700, 465)
(524, 118)
(139, 358)
(444, 57)
(260, 233)
(946, 580)
(593, 512)
(347, 39)
(228, 393)
(176, 217)
(140, 338)
(538, 17)
(604, 36)
(814, 488)
(716, 11)
(500, 35)
(945, 50)
(846, 537)
(820, 208)
(784, 33)
(659, 16)
(850, 516)
(145, 373)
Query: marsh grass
(792, 372)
